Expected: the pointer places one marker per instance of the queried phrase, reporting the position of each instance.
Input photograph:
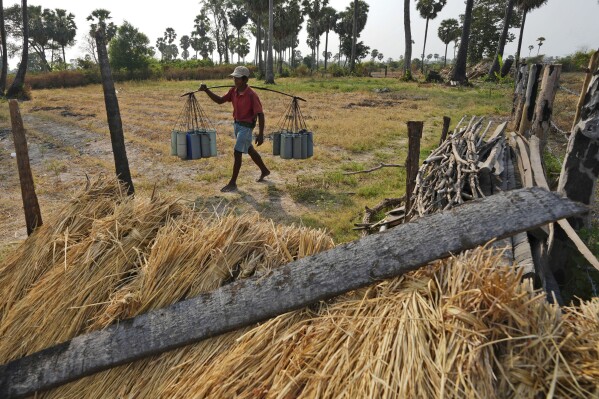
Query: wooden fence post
(593, 65)
(33, 215)
(519, 97)
(544, 106)
(413, 159)
(578, 178)
(446, 122)
(532, 87)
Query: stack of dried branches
(450, 175)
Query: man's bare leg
(232, 185)
(258, 161)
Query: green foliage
(337, 71)
(487, 23)
(129, 49)
(576, 62)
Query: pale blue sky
(567, 25)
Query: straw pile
(463, 327)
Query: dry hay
(463, 327)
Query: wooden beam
(293, 286)
(519, 97)
(446, 122)
(413, 160)
(541, 122)
(33, 215)
(593, 65)
(530, 100)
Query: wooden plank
(293, 286)
(532, 89)
(523, 151)
(33, 215)
(544, 107)
(446, 122)
(593, 65)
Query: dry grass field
(356, 126)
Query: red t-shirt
(246, 105)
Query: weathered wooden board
(293, 286)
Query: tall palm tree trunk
(17, 85)
(424, 46)
(4, 54)
(517, 63)
(270, 76)
(352, 61)
(445, 58)
(459, 71)
(115, 125)
(407, 69)
(502, 39)
(326, 50)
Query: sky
(567, 25)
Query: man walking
(246, 110)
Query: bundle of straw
(463, 327)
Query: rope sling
(194, 135)
(291, 139)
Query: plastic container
(182, 145)
(205, 144)
(276, 143)
(310, 144)
(286, 145)
(212, 139)
(297, 146)
(174, 142)
(304, 149)
(194, 150)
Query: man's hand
(259, 139)
(203, 87)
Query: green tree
(185, 43)
(486, 28)
(494, 70)
(459, 70)
(373, 54)
(329, 19)
(525, 6)
(200, 41)
(344, 29)
(407, 72)
(16, 88)
(428, 9)
(540, 41)
(313, 9)
(238, 18)
(129, 49)
(65, 30)
(40, 26)
(449, 30)
(99, 19)
(4, 53)
(218, 10)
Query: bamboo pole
(33, 215)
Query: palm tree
(352, 61)
(270, 76)
(238, 19)
(530, 49)
(17, 85)
(329, 18)
(66, 29)
(449, 30)
(429, 9)
(525, 6)
(4, 51)
(113, 113)
(459, 71)
(502, 39)
(407, 69)
(540, 40)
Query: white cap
(241, 71)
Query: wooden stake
(446, 122)
(593, 65)
(519, 97)
(413, 159)
(293, 286)
(544, 106)
(532, 88)
(33, 215)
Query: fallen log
(293, 286)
